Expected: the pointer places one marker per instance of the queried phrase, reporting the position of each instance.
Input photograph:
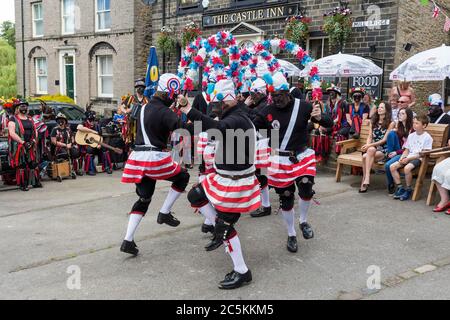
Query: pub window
(38, 21)
(318, 47)
(188, 4)
(41, 75)
(68, 16)
(105, 76)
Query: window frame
(63, 25)
(34, 20)
(97, 20)
(192, 8)
(37, 76)
(100, 76)
(308, 44)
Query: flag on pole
(152, 77)
(436, 12)
(447, 24)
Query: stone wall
(416, 26)
(384, 38)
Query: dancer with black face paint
(151, 161)
(22, 147)
(293, 163)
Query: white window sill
(38, 36)
(41, 93)
(102, 30)
(106, 96)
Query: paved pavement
(79, 225)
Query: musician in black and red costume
(294, 164)
(339, 109)
(23, 147)
(233, 188)
(151, 161)
(62, 141)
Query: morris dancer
(150, 161)
(22, 147)
(233, 189)
(339, 109)
(294, 162)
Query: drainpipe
(23, 51)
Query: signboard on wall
(372, 84)
(248, 15)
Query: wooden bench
(439, 133)
(437, 157)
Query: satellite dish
(149, 2)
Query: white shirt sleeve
(408, 142)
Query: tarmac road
(79, 225)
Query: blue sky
(7, 10)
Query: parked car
(75, 114)
(4, 159)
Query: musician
(22, 147)
(150, 161)
(294, 163)
(88, 153)
(233, 189)
(138, 99)
(339, 109)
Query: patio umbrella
(343, 65)
(288, 68)
(429, 65)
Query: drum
(60, 170)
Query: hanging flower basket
(166, 41)
(297, 29)
(190, 33)
(338, 26)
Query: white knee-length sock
(265, 198)
(209, 213)
(303, 210)
(133, 223)
(289, 219)
(235, 251)
(172, 196)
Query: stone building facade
(400, 22)
(91, 50)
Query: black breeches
(262, 179)
(146, 188)
(287, 195)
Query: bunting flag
(436, 12)
(447, 24)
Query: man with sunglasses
(294, 163)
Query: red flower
(283, 43)
(198, 59)
(269, 117)
(314, 71)
(217, 60)
(300, 54)
(188, 85)
(212, 41)
(259, 47)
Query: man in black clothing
(150, 161)
(294, 162)
(436, 112)
(233, 189)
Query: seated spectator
(436, 110)
(395, 141)
(61, 139)
(404, 89)
(441, 176)
(375, 149)
(367, 99)
(393, 101)
(416, 143)
(357, 112)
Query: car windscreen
(72, 113)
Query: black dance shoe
(207, 228)
(129, 247)
(168, 219)
(261, 212)
(307, 231)
(292, 244)
(235, 279)
(215, 243)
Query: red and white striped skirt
(263, 151)
(152, 164)
(233, 196)
(282, 172)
